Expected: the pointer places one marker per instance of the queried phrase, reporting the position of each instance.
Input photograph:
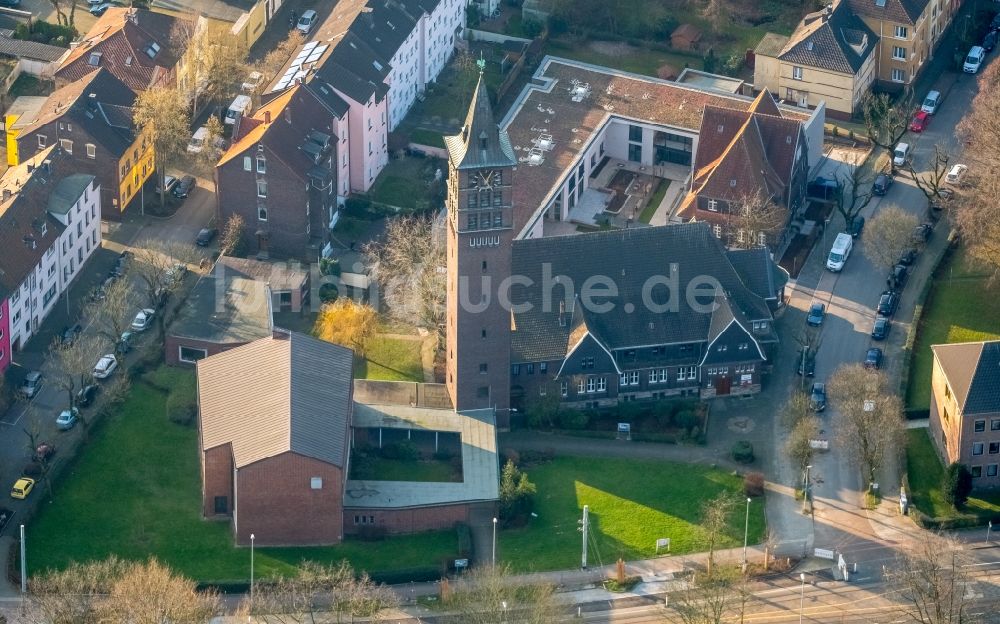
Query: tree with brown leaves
(888, 235)
(161, 117)
(490, 595)
(348, 324)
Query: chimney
(132, 15)
(267, 117)
(829, 10)
(6, 194)
(47, 166)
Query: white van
(840, 251)
(901, 154)
(974, 60)
(239, 108)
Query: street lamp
(746, 533)
(802, 596)
(494, 542)
(989, 527)
(251, 569)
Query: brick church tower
(480, 232)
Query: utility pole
(584, 525)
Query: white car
(955, 174)
(252, 82)
(931, 102)
(67, 418)
(197, 142)
(105, 366)
(901, 154)
(974, 60)
(306, 22)
(143, 319)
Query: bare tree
(409, 268)
(712, 599)
(886, 121)
(162, 116)
(932, 183)
(795, 409)
(231, 241)
(275, 60)
(317, 590)
(160, 267)
(855, 191)
(715, 515)
(797, 444)
(218, 64)
(888, 235)
(755, 220)
(716, 12)
(490, 595)
(150, 592)
(73, 364)
(932, 579)
(211, 150)
(110, 313)
(870, 426)
(69, 596)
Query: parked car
(67, 419)
(105, 366)
(205, 236)
(919, 122)
(69, 334)
(908, 257)
(817, 398)
(897, 277)
(807, 362)
(13, 4)
(143, 319)
(882, 183)
(990, 41)
(85, 396)
(32, 384)
(169, 182)
(931, 102)
(974, 60)
(873, 358)
(306, 22)
(901, 155)
(823, 188)
(184, 187)
(995, 24)
(856, 226)
(44, 452)
(252, 82)
(99, 9)
(22, 487)
(816, 313)
(922, 233)
(956, 174)
(124, 343)
(881, 327)
(887, 303)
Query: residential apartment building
(139, 47)
(965, 408)
(49, 228)
(830, 58)
(908, 32)
(90, 119)
(281, 172)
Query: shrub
(328, 293)
(743, 452)
(181, 408)
(753, 484)
(44, 32)
(329, 266)
(533, 28)
(404, 450)
(371, 533)
(362, 466)
(686, 419)
(516, 495)
(444, 455)
(956, 484)
(573, 419)
(357, 206)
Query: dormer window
(152, 50)
(128, 61)
(94, 59)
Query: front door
(722, 385)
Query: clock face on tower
(487, 179)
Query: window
(591, 384)
(542, 390)
(994, 448)
(635, 152)
(717, 230)
(713, 205)
(261, 165)
(977, 448)
(796, 73)
(563, 388)
(261, 188)
(261, 212)
(221, 504)
(247, 163)
(898, 75)
(316, 483)
(515, 370)
(483, 368)
(483, 392)
(977, 471)
(189, 355)
(900, 32)
(980, 426)
(41, 140)
(995, 424)
(991, 470)
(531, 369)
(91, 151)
(581, 385)
(602, 384)
(898, 53)
(473, 222)
(652, 375)
(588, 362)
(543, 367)
(635, 133)
(67, 145)
(692, 372)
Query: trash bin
(904, 504)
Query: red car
(920, 121)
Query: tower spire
(482, 143)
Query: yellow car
(22, 488)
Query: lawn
(654, 202)
(632, 504)
(135, 492)
(405, 183)
(923, 467)
(391, 359)
(638, 60)
(961, 308)
(427, 137)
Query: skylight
(152, 50)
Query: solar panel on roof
(282, 84)
(298, 59)
(309, 46)
(300, 74)
(315, 56)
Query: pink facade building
(4, 336)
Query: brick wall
(411, 520)
(217, 478)
(275, 502)
(173, 343)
